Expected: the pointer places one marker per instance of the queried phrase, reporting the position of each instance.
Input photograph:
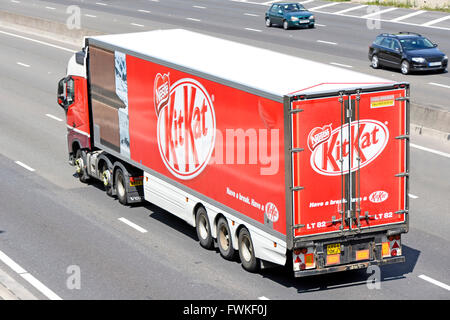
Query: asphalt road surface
(54, 227)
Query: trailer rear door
(349, 162)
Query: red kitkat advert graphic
(221, 142)
(350, 165)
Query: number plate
(334, 248)
(304, 21)
(434, 64)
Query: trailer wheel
(120, 186)
(107, 181)
(224, 239)
(79, 164)
(247, 252)
(203, 229)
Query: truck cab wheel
(247, 252)
(80, 166)
(203, 229)
(224, 239)
(120, 186)
(106, 179)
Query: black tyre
(80, 166)
(203, 229)
(107, 180)
(247, 252)
(404, 67)
(224, 239)
(375, 62)
(121, 187)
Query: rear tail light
(391, 247)
(303, 258)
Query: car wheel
(311, 26)
(405, 67)
(375, 63)
(285, 25)
(268, 22)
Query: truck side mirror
(66, 92)
(61, 95)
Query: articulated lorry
(273, 158)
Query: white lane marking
(40, 286)
(53, 117)
(435, 282)
(327, 42)
(90, 15)
(133, 225)
(320, 25)
(269, 2)
(447, 155)
(144, 11)
(15, 1)
(137, 24)
(101, 4)
(23, 165)
(251, 14)
(378, 13)
(341, 65)
(263, 298)
(412, 196)
(307, 1)
(429, 23)
(408, 15)
(28, 277)
(50, 8)
(199, 7)
(23, 64)
(37, 41)
(439, 85)
(10, 263)
(193, 19)
(250, 29)
(325, 6)
(351, 9)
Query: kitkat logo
(186, 126)
(272, 212)
(378, 196)
(339, 152)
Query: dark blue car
(289, 14)
(408, 52)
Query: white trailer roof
(264, 70)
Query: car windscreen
(292, 7)
(416, 43)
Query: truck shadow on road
(352, 278)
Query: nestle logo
(339, 152)
(161, 88)
(318, 135)
(378, 196)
